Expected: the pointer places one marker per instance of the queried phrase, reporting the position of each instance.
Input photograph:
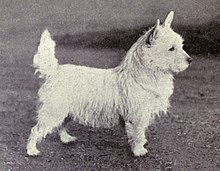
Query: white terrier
(137, 90)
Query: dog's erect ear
(153, 34)
(168, 19)
(155, 30)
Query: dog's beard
(180, 69)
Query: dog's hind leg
(64, 136)
(45, 125)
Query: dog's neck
(133, 66)
(154, 80)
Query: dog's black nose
(189, 60)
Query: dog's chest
(155, 91)
(161, 86)
(164, 87)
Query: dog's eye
(172, 49)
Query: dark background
(98, 33)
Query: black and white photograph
(109, 85)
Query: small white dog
(137, 90)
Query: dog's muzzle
(189, 60)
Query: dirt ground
(187, 139)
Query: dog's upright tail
(44, 60)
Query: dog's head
(162, 48)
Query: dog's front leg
(136, 136)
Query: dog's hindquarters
(51, 115)
(87, 95)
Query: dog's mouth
(189, 60)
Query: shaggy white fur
(138, 89)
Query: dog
(137, 90)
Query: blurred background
(21, 23)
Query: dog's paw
(33, 152)
(67, 139)
(139, 151)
